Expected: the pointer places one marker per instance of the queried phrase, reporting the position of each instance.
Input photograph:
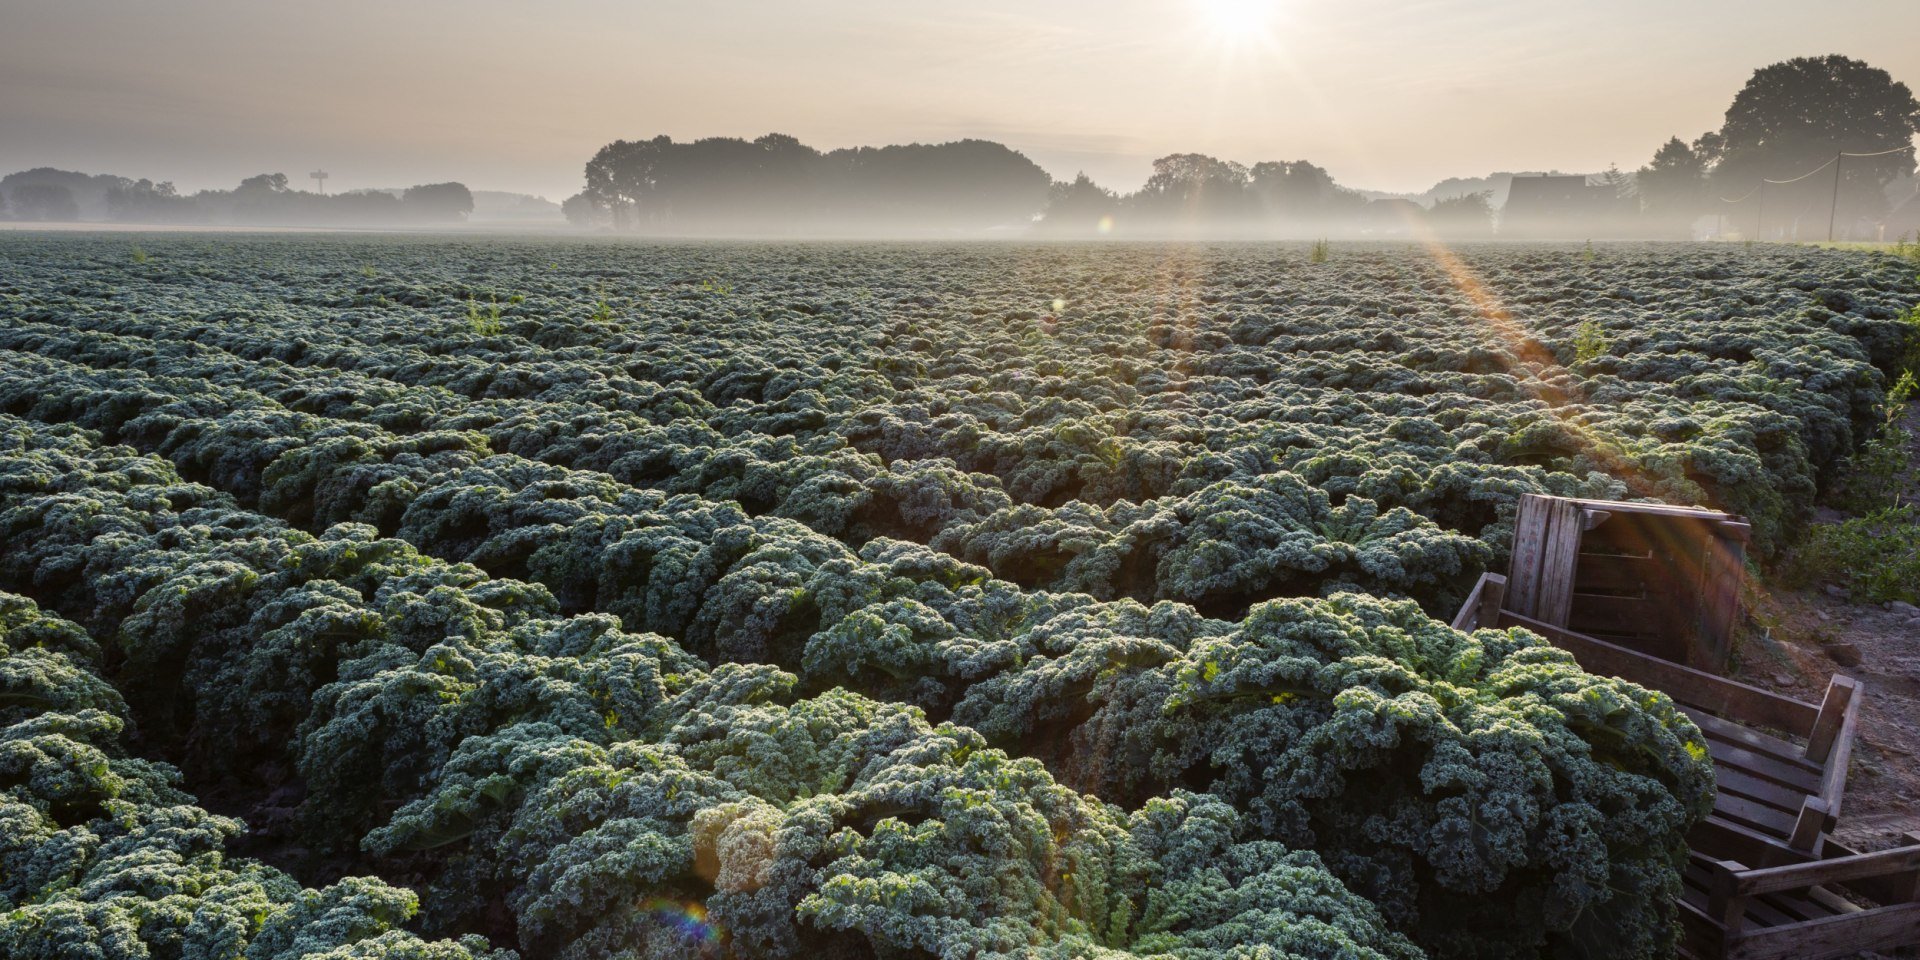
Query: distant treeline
(1790, 117)
(778, 184)
(46, 194)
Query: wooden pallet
(1780, 771)
(1662, 580)
(1816, 908)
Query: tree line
(46, 194)
(777, 184)
(1789, 118)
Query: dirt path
(1805, 636)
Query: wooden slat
(1799, 876)
(1772, 821)
(1739, 783)
(1833, 902)
(1795, 908)
(1717, 728)
(1601, 613)
(1700, 936)
(1722, 576)
(1765, 766)
(1529, 547)
(1717, 695)
(1835, 936)
(1664, 509)
(1612, 573)
(1469, 616)
(1833, 786)
(1771, 912)
(1560, 557)
(1483, 604)
(1491, 600)
(1753, 911)
(1728, 840)
(1815, 819)
(1834, 709)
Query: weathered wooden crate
(1780, 764)
(1661, 580)
(1812, 908)
(1764, 880)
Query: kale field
(436, 598)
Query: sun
(1237, 19)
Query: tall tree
(1467, 215)
(45, 201)
(439, 202)
(1080, 206)
(1795, 115)
(1194, 187)
(1673, 188)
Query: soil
(1801, 637)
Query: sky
(516, 95)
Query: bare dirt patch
(1800, 637)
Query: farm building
(1553, 205)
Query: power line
(1881, 153)
(1809, 173)
(1833, 207)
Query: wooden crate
(1811, 908)
(1658, 579)
(1764, 879)
(1780, 764)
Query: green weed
(715, 287)
(367, 270)
(484, 321)
(1589, 342)
(140, 255)
(1908, 249)
(1877, 556)
(1320, 252)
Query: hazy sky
(517, 95)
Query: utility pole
(1833, 207)
(1760, 213)
(320, 177)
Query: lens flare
(687, 918)
(1106, 224)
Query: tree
(1620, 183)
(1194, 187)
(264, 183)
(1796, 115)
(1081, 206)
(1469, 215)
(438, 202)
(777, 183)
(45, 201)
(1673, 188)
(581, 210)
(148, 202)
(1301, 196)
(622, 177)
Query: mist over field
(1144, 119)
(1095, 480)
